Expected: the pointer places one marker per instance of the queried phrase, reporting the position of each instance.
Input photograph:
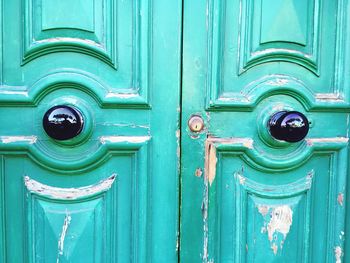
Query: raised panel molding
(100, 152)
(50, 27)
(71, 221)
(107, 216)
(288, 32)
(233, 56)
(257, 215)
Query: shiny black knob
(63, 122)
(289, 126)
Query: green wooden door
(110, 194)
(247, 197)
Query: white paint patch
(263, 209)
(268, 51)
(327, 97)
(68, 193)
(121, 95)
(338, 253)
(14, 139)
(278, 82)
(12, 92)
(69, 39)
(129, 139)
(312, 141)
(281, 219)
(65, 226)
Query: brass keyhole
(196, 123)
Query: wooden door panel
(106, 40)
(254, 198)
(261, 208)
(251, 52)
(110, 193)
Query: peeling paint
(312, 141)
(121, 95)
(263, 209)
(61, 240)
(328, 97)
(338, 253)
(278, 82)
(130, 125)
(272, 50)
(11, 92)
(68, 39)
(198, 172)
(340, 199)
(68, 193)
(129, 139)
(14, 139)
(281, 219)
(212, 160)
(241, 178)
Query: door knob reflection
(289, 126)
(63, 122)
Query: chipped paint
(12, 92)
(278, 82)
(198, 172)
(14, 139)
(263, 210)
(69, 39)
(66, 223)
(328, 97)
(241, 178)
(121, 95)
(128, 139)
(268, 51)
(68, 193)
(129, 125)
(312, 141)
(338, 253)
(340, 199)
(212, 161)
(280, 220)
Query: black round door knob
(63, 122)
(289, 126)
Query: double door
(166, 131)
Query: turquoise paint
(106, 58)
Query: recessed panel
(60, 14)
(74, 230)
(257, 214)
(285, 21)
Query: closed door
(148, 131)
(262, 75)
(88, 142)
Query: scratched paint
(66, 223)
(15, 139)
(338, 253)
